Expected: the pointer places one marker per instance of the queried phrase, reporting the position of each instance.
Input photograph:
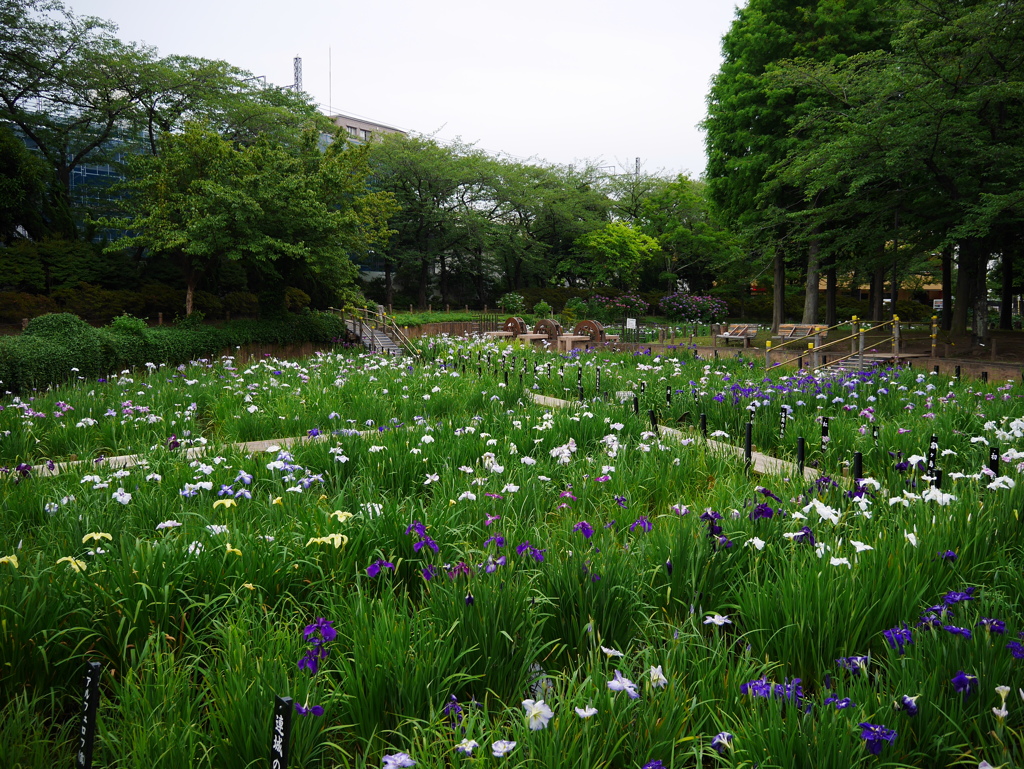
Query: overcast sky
(557, 80)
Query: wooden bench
(789, 331)
(742, 332)
(510, 329)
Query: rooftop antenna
(297, 65)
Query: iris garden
(444, 571)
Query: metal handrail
(805, 338)
(383, 322)
(815, 350)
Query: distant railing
(364, 321)
(818, 352)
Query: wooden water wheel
(516, 325)
(550, 327)
(590, 328)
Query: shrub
(542, 309)
(241, 303)
(689, 308)
(15, 305)
(575, 308)
(160, 298)
(59, 343)
(606, 308)
(512, 303)
(95, 304)
(295, 299)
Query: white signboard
(630, 322)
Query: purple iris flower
(620, 501)
(584, 528)
(721, 742)
(898, 637)
(1016, 649)
(965, 632)
(374, 568)
(323, 628)
(302, 710)
(805, 537)
(762, 510)
(497, 539)
(841, 704)
(642, 523)
(426, 542)
(948, 555)
(416, 528)
(964, 684)
(538, 555)
(954, 596)
(855, 664)
(874, 736)
(907, 704)
(994, 626)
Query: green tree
(614, 255)
(750, 117)
(924, 141)
(22, 190)
(79, 95)
(677, 215)
(277, 213)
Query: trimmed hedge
(58, 347)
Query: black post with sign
(933, 454)
(824, 434)
(90, 704)
(281, 734)
(993, 460)
(783, 418)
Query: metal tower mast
(297, 63)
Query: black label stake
(90, 704)
(281, 733)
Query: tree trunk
(830, 296)
(981, 334)
(1006, 292)
(443, 279)
(424, 281)
(947, 287)
(190, 290)
(965, 286)
(779, 291)
(813, 278)
(877, 292)
(389, 284)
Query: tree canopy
(287, 218)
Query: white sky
(559, 80)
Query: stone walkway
(762, 464)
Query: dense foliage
(61, 347)
(441, 566)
